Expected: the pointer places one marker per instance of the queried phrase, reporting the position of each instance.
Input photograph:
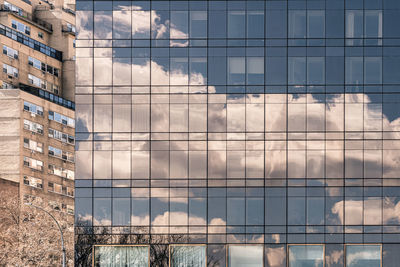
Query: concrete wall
(10, 135)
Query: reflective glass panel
(245, 256)
(188, 256)
(306, 256)
(363, 256)
(128, 256)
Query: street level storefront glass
(188, 256)
(306, 255)
(245, 256)
(121, 256)
(363, 256)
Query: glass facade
(266, 133)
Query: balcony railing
(47, 95)
(23, 39)
(28, 16)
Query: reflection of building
(220, 124)
(36, 110)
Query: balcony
(28, 17)
(68, 29)
(47, 95)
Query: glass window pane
(254, 211)
(121, 24)
(179, 68)
(316, 23)
(354, 70)
(306, 256)
(140, 211)
(179, 25)
(372, 70)
(236, 211)
(140, 24)
(275, 70)
(315, 70)
(102, 164)
(197, 211)
(276, 23)
(141, 71)
(103, 25)
(217, 24)
(198, 71)
(160, 24)
(236, 24)
(354, 23)
(255, 70)
(296, 211)
(193, 256)
(363, 256)
(121, 162)
(297, 70)
(198, 24)
(159, 211)
(236, 70)
(122, 71)
(178, 211)
(128, 256)
(297, 24)
(217, 211)
(102, 211)
(84, 24)
(373, 24)
(121, 211)
(255, 24)
(245, 256)
(102, 71)
(275, 210)
(315, 210)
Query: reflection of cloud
(361, 256)
(391, 211)
(363, 115)
(104, 222)
(177, 34)
(84, 24)
(369, 209)
(335, 257)
(140, 220)
(217, 221)
(103, 22)
(217, 164)
(275, 256)
(84, 219)
(177, 218)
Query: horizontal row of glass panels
(237, 256)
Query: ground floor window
(363, 255)
(241, 255)
(306, 255)
(188, 256)
(245, 256)
(121, 256)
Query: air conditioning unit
(33, 115)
